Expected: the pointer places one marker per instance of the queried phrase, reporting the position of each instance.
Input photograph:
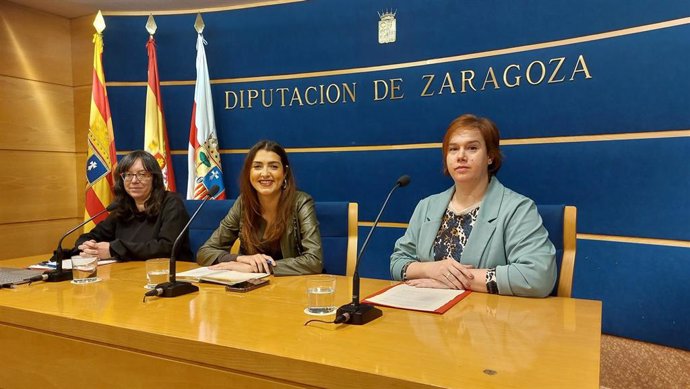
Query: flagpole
(203, 160)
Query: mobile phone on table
(246, 286)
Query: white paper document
(66, 264)
(419, 299)
(227, 277)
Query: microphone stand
(175, 288)
(355, 312)
(59, 274)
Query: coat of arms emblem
(387, 27)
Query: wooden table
(103, 335)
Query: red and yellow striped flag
(155, 133)
(100, 158)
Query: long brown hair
(251, 208)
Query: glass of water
(84, 270)
(157, 272)
(320, 295)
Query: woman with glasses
(147, 219)
(276, 223)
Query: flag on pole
(203, 157)
(155, 133)
(101, 157)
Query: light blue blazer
(508, 235)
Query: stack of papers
(417, 299)
(225, 277)
(66, 264)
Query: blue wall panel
(639, 84)
(644, 289)
(127, 108)
(645, 98)
(634, 188)
(318, 35)
(375, 262)
(613, 197)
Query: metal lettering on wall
(537, 72)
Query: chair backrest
(206, 221)
(561, 223)
(338, 225)
(337, 222)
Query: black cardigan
(141, 239)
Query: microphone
(175, 288)
(356, 313)
(59, 274)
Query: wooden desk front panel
(523, 342)
(37, 359)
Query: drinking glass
(320, 295)
(157, 272)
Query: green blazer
(300, 243)
(508, 235)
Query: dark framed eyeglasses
(141, 176)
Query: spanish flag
(155, 133)
(203, 158)
(101, 157)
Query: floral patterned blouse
(454, 232)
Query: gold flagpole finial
(199, 23)
(99, 22)
(151, 26)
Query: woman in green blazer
(276, 223)
(477, 235)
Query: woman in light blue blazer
(477, 235)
